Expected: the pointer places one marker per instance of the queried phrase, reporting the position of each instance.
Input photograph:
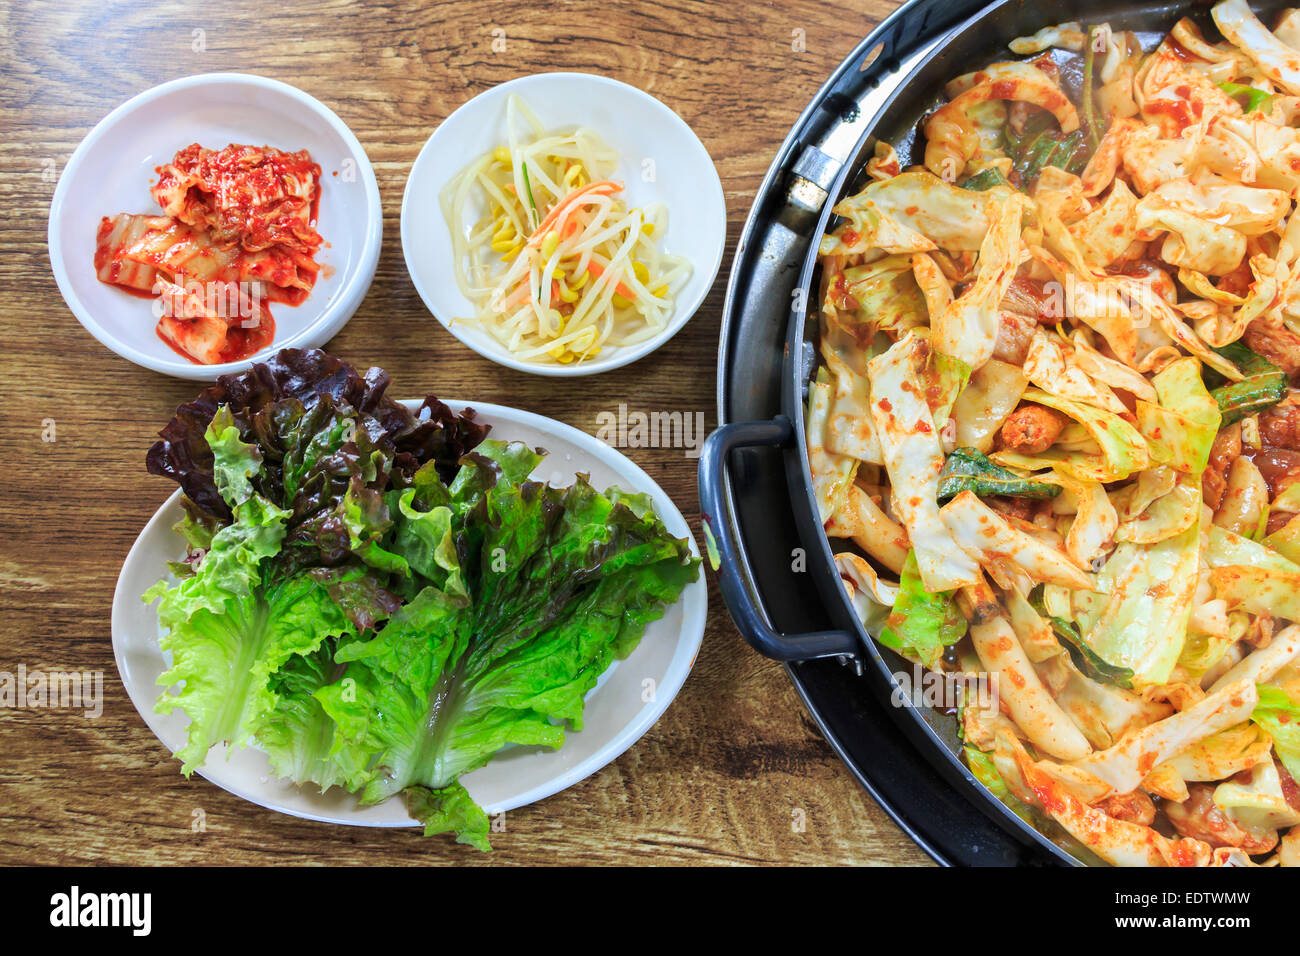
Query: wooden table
(733, 765)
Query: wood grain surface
(734, 772)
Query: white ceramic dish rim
(683, 311)
(330, 322)
(694, 601)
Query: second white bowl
(660, 159)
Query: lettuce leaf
(314, 438)
(374, 619)
(303, 409)
(450, 810)
(229, 631)
(541, 590)
(299, 737)
(234, 461)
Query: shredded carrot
(560, 212)
(598, 270)
(519, 296)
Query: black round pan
(777, 571)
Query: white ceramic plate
(617, 711)
(646, 134)
(113, 168)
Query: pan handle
(739, 589)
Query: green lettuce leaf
(426, 540)
(229, 631)
(299, 737)
(450, 810)
(235, 462)
(382, 601)
(545, 588)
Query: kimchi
(237, 231)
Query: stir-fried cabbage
(913, 456)
(1180, 427)
(1119, 450)
(1142, 620)
(1060, 332)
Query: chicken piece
(1280, 467)
(1277, 520)
(1022, 509)
(1279, 426)
(1200, 818)
(1133, 807)
(1015, 332)
(1032, 429)
(1225, 450)
(1280, 346)
(1290, 789)
(1260, 632)
(1036, 299)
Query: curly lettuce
(376, 621)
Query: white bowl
(618, 710)
(632, 122)
(111, 172)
